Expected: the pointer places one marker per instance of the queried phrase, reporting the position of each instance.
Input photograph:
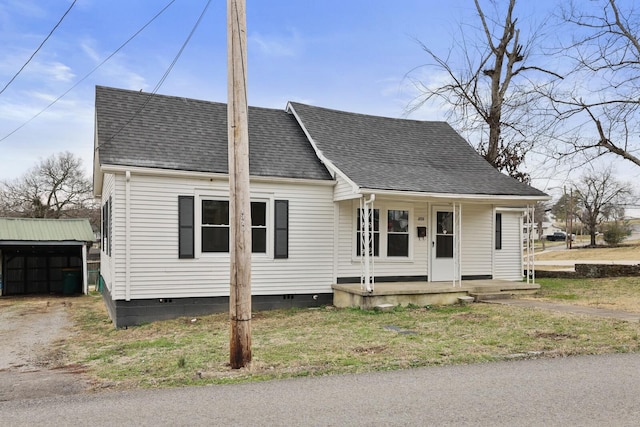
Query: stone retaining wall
(589, 271)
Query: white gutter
(208, 175)
(457, 196)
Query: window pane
(259, 240)
(375, 218)
(259, 214)
(376, 244)
(215, 239)
(215, 212)
(445, 223)
(398, 221)
(398, 245)
(444, 246)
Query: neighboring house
(547, 229)
(437, 210)
(44, 256)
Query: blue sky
(352, 55)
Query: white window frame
(384, 207)
(224, 196)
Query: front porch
(426, 293)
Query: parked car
(559, 236)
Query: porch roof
(381, 153)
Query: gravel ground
(31, 358)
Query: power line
(165, 75)
(38, 48)
(90, 72)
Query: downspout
(336, 240)
(85, 277)
(127, 235)
(457, 243)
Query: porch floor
(424, 293)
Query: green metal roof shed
(45, 230)
(44, 256)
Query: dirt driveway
(32, 331)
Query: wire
(37, 49)
(164, 76)
(90, 72)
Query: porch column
(366, 241)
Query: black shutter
(103, 237)
(185, 227)
(110, 222)
(281, 229)
(498, 231)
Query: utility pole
(239, 199)
(571, 219)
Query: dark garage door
(40, 270)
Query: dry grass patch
(619, 293)
(304, 342)
(627, 251)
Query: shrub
(615, 232)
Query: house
(336, 198)
(44, 256)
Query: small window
(215, 226)
(397, 233)
(258, 227)
(498, 231)
(106, 227)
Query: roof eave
(110, 168)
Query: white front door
(442, 241)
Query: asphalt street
(573, 391)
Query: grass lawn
(627, 251)
(619, 293)
(308, 342)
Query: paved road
(578, 391)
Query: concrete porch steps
(428, 293)
(490, 296)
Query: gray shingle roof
(405, 155)
(186, 134)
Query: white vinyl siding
(508, 260)
(343, 190)
(156, 271)
(477, 229)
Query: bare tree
(540, 217)
(598, 97)
(493, 93)
(56, 187)
(596, 194)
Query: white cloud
(277, 46)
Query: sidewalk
(570, 309)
